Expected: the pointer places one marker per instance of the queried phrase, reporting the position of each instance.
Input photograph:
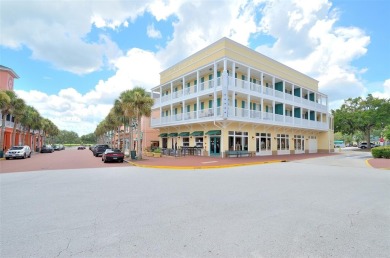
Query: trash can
(1, 154)
(37, 149)
(132, 154)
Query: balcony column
(284, 110)
(293, 113)
(197, 81)
(261, 108)
(171, 113)
(284, 89)
(234, 74)
(183, 86)
(261, 82)
(273, 109)
(171, 90)
(249, 105)
(197, 108)
(234, 103)
(273, 85)
(161, 115)
(249, 78)
(160, 94)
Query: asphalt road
(70, 158)
(294, 209)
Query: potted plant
(157, 153)
(148, 152)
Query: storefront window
(238, 140)
(282, 142)
(199, 142)
(186, 141)
(299, 142)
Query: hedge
(381, 152)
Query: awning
(184, 134)
(163, 135)
(172, 135)
(214, 132)
(197, 133)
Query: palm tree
(5, 106)
(127, 107)
(29, 121)
(142, 106)
(19, 107)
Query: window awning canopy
(184, 134)
(172, 135)
(197, 133)
(163, 135)
(214, 132)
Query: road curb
(207, 167)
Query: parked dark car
(112, 155)
(47, 149)
(100, 149)
(81, 148)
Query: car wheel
(6, 158)
(29, 156)
(24, 156)
(121, 161)
(105, 161)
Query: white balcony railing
(239, 85)
(239, 114)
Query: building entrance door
(215, 145)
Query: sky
(74, 57)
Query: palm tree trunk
(14, 134)
(2, 132)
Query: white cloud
(70, 110)
(385, 94)
(305, 32)
(152, 32)
(308, 40)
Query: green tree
(362, 115)
(88, 138)
(142, 107)
(67, 137)
(17, 113)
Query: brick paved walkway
(379, 163)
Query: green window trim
(197, 133)
(163, 135)
(195, 107)
(172, 135)
(214, 132)
(184, 134)
(210, 103)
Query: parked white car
(18, 152)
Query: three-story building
(230, 97)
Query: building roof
(226, 47)
(7, 69)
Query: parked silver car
(18, 152)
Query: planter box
(157, 155)
(149, 154)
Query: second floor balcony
(241, 115)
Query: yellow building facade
(229, 97)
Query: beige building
(229, 97)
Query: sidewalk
(203, 162)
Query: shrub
(381, 152)
(158, 150)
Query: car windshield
(17, 148)
(116, 151)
